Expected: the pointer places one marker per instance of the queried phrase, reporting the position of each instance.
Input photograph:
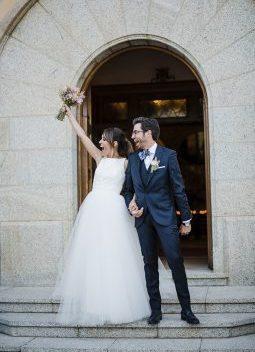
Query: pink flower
(70, 96)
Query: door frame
(84, 117)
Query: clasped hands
(134, 210)
(137, 213)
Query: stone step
(13, 344)
(44, 344)
(212, 325)
(211, 299)
(206, 277)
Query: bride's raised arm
(86, 141)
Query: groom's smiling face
(138, 136)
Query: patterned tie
(144, 153)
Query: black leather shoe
(189, 317)
(154, 318)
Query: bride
(102, 280)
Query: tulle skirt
(102, 279)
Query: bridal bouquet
(70, 96)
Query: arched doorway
(152, 82)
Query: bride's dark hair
(115, 134)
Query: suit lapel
(157, 155)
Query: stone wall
(59, 42)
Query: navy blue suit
(157, 193)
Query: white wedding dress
(102, 280)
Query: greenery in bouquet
(70, 96)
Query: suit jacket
(163, 187)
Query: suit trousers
(149, 232)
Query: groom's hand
(184, 230)
(132, 206)
(137, 213)
(134, 210)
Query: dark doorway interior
(178, 106)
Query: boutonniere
(155, 164)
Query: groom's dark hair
(148, 124)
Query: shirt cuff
(186, 221)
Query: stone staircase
(227, 316)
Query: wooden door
(180, 115)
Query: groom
(154, 176)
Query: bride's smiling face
(106, 147)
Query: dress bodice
(109, 175)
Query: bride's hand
(137, 213)
(68, 110)
(132, 206)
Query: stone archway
(48, 44)
(84, 115)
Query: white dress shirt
(148, 160)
